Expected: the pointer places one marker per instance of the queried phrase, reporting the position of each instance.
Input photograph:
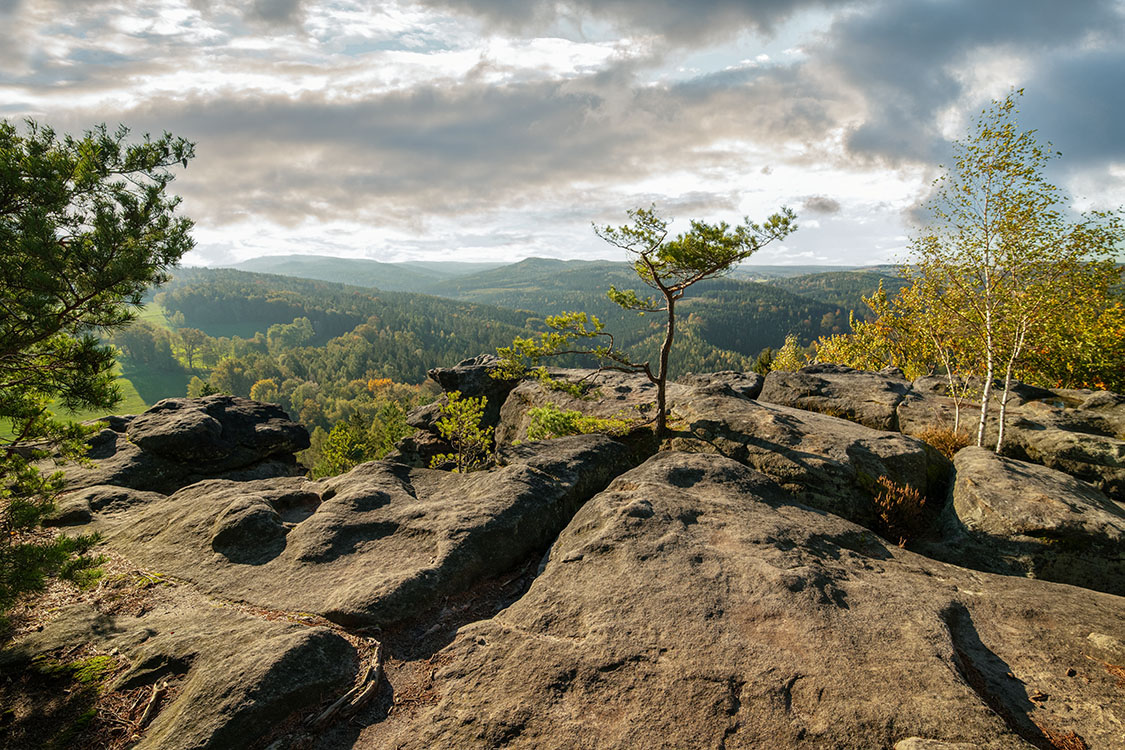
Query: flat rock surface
(372, 546)
(1014, 517)
(688, 606)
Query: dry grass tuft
(944, 439)
(900, 510)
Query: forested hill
(418, 276)
(843, 288)
(739, 316)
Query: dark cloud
(904, 58)
(280, 12)
(821, 204)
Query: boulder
(473, 379)
(869, 398)
(180, 441)
(377, 545)
(1067, 442)
(1008, 516)
(232, 676)
(828, 463)
(689, 605)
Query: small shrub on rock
(550, 421)
(900, 510)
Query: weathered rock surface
(180, 441)
(614, 395)
(869, 398)
(689, 606)
(1017, 518)
(828, 463)
(726, 383)
(373, 546)
(233, 676)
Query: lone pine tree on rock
(668, 266)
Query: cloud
(675, 20)
(911, 63)
(821, 204)
(276, 11)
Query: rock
(615, 395)
(828, 463)
(471, 377)
(868, 398)
(234, 676)
(418, 450)
(1044, 438)
(1017, 518)
(425, 417)
(689, 606)
(726, 383)
(180, 441)
(1079, 432)
(377, 545)
(77, 508)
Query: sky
(494, 130)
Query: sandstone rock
(78, 507)
(726, 383)
(614, 395)
(471, 377)
(1017, 518)
(235, 676)
(828, 463)
(689, 606)
(180, 441)
(868, 398)
(374, 546)
(1043, 438)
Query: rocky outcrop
(1079, 432)
(690, 605)
(1018, 518)
(730, 592)
(869, 398)
(828, 463)
(370, 547)
(180, 441)
(472, 377)
(726, 383)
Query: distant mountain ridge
(437, 277)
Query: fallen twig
(150, 709)
(351, 701)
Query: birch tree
(1002, 246)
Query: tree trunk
(986, 392)
(662, 373)
(1017, 347)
